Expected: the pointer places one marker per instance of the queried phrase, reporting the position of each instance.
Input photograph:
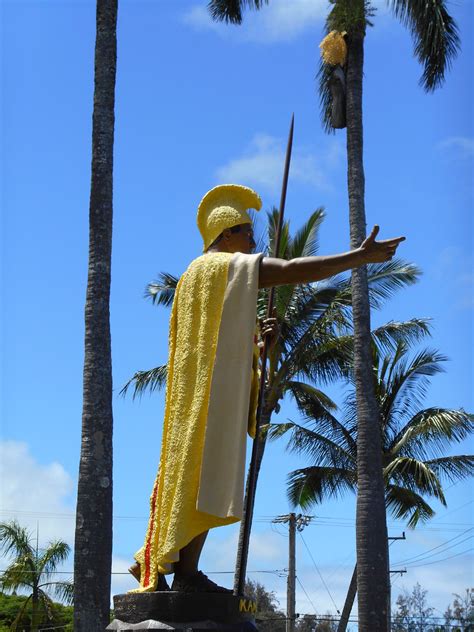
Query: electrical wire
(421, 555)
(319, 572)
(71, 573)
(307, 596)
(442, 560)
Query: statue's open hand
(379, 251)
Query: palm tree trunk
(266, 417)
(34, 610)
(93, 542)
(371, 529)
(349, 603)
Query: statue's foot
(162, 583)
(135, 571)
(197, 583)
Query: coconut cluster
(334, 49)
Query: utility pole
(291, 588)
(393, 538)
(294, 522)
(351, 593)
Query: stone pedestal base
(183, 612)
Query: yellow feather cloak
(211, 367)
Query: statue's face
(240, 241)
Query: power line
(414, 557)
(319, 573)
(422, 559)
(307, 596)
(280, 572)
(320, 521)
(442, 560)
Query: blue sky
(199, 103)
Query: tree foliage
(416, 441)
(32, 570)
(413, 614)
(269, 618)
(11, 605)
(460, 614)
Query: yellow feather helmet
(223, 207)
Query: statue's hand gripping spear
(252, 476)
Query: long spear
(252, 476)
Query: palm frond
(404, 503)
(415, 476)
(315, 407)
(386, 278)
(15, 540)
(432, 427)
(453, 468)
(231, 10)
(321, 449)
(323, 359)
(272, 224)
(56, 553)
(150, 380)
(319, 306)
(63, 591)
(161, 291)
(315, 319)
(312, 485)
(19, 573)
(314, 403)
(435, 35)
(305, 241)
(325, 100)
(388, 336)
(407, 383)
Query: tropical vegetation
(416, 441)
(32, 570)
(414, 613)
(10, 605)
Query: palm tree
(414, 440)
(31, 570)
(315, 343)
(436, 42)
(93, 542)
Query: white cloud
(36, 494)
(279, 21)
(461, 146)
(261, 164)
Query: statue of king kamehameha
(212, 385)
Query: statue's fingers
(374, 233)
(394, 240)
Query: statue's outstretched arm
(308, 269)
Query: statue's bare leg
(188, 560)
(187, 578)
(136, 571)
(189, 556)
